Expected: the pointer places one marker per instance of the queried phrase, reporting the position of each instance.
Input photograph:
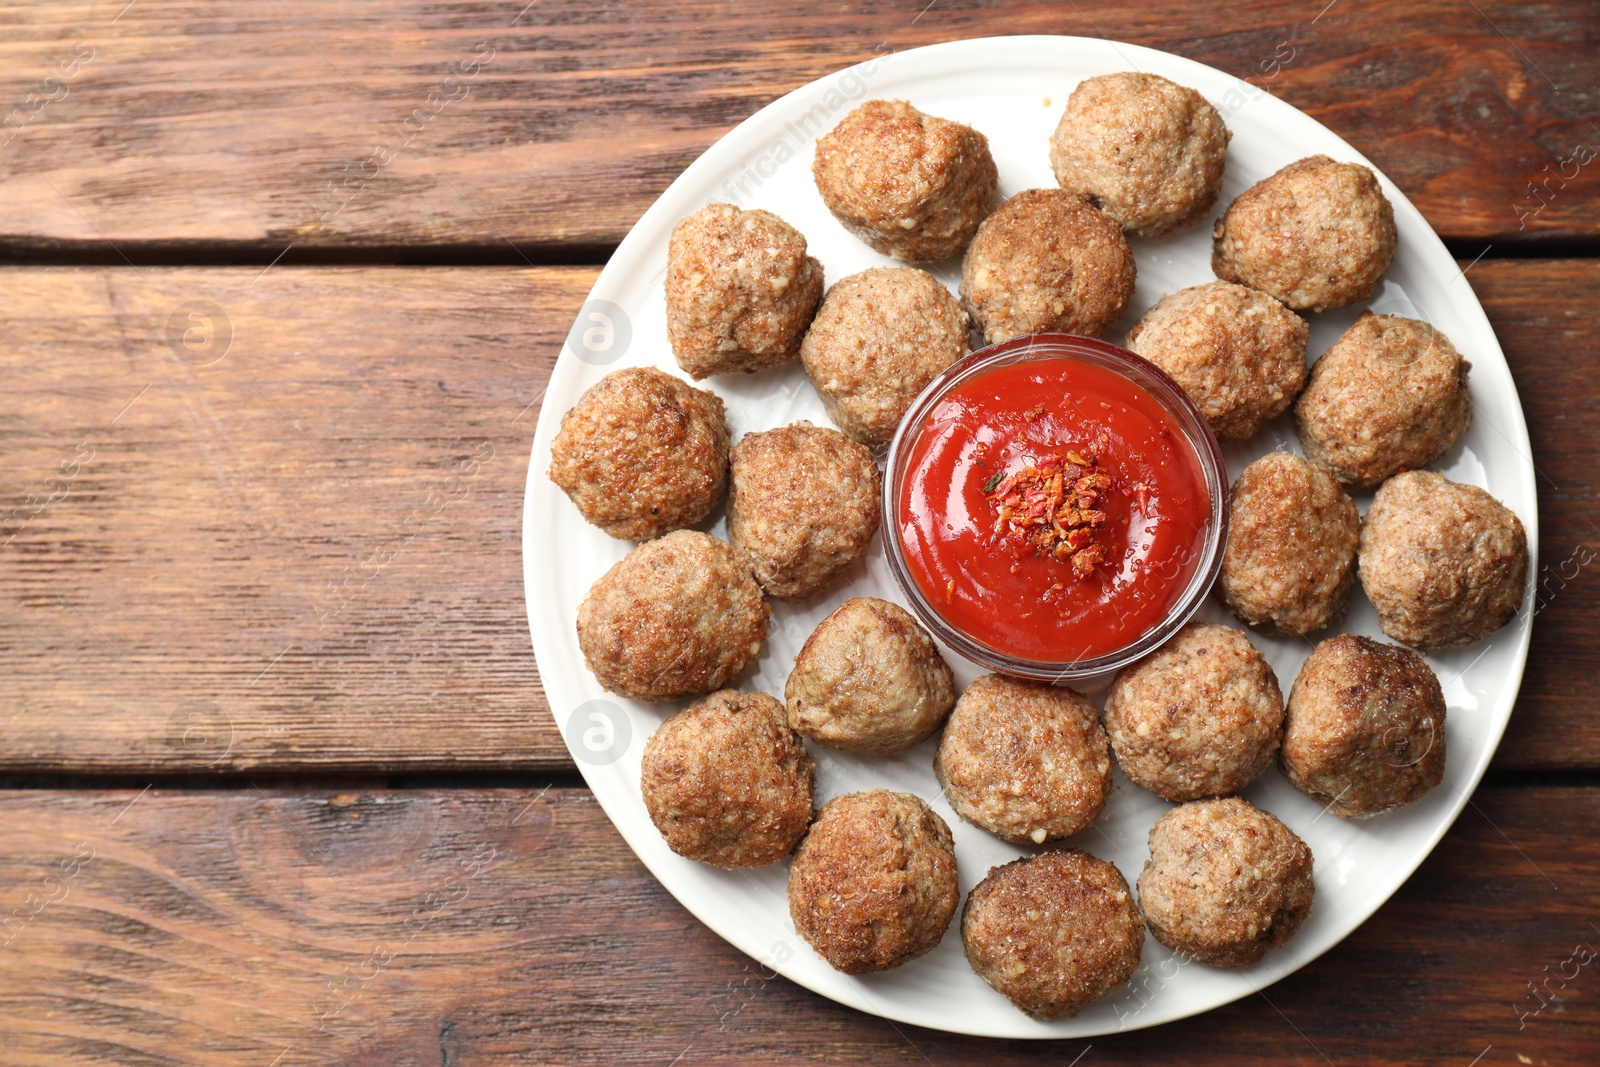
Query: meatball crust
(1239, 354)
(1389, 395)
(874, 885)
(1317, 235)
(1365, 727)
(869, 679)
(740, 291)
(912, 186)
(1146, 151)
(879, 338)
(1198, 718)
(1291, 554)
(678, 616)
(1046, 262)
(1225, 882)
(802, 506)
(727, 782)
(642, 453)
(1025, 761)
(1054, 932)
(1443, 563)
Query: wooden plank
(1545, 316)
(461, 123)
(306, 555)
(476, 927)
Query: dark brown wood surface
(306, 555)
(260, 527)
(1546, 339)
(279, 123)
(504, 927)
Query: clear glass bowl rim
(1038, 347)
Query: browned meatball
(910, 185)
(677, 616)
(873, 885)
(740, 291)
(642, 453)
(879, 338)
(1317, 235)
(1291, 554)
(1365, 728)
(803, 506)
(1146, 151)
(869, 679)
(1389, 395)
(1443, 563)
(1198, 718)
(1025, 761)
(1225, 882)
(1239, 354)
(726, 781)
(1053, 933)
(1046, 262)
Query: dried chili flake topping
(1055, 505)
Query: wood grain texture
(1545, 315)
(306, 553)
(305, 556)
(463, 123)
(475, 927)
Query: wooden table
(280, 784)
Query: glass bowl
(1172, 400)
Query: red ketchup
(1052, 510)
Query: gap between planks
(320, 780)
(505, 254)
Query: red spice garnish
(1141, 496)
(1055, 506)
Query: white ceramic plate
(1013, 90)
